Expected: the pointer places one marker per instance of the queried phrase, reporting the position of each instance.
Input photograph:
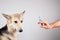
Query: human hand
(44, 24)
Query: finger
(42, 24)
(44, 27)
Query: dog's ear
(7, 16)
(23, 13)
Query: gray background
(47, 9)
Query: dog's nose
(20, 30)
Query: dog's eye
(15, 21)
(21, 21)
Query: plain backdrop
(46, 9)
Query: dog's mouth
(20, 30)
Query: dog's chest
(5, 35)
(10, 37)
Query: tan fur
(17, 17)
(11, 25)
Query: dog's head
(14, 21)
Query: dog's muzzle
(21, 30)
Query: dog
(12, 27)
